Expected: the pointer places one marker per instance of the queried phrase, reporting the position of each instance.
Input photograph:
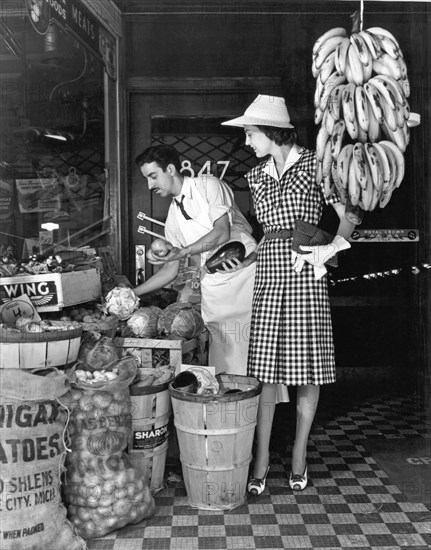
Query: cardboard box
(53, 291)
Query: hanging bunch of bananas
(361, 105)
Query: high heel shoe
(256, 485)
(298, 482)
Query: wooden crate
(179, 351)
(53, 291)
(38, 350)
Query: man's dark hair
(162, 154)
(281, 136)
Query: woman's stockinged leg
(306, 405)
(265, 417)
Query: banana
(392, 84)
(361, 108)
(379, 31)
(353, 187)
(325, 49)
(361, 48)
(360, 164)
(318, 92)
(349, 114)
(327, 161)
(334, 80)
(348, 102)
(385, 167)
(384, 91)
(389, 46)
(334, 101)
(356, 66)
(362, 135)
(328, 187)
(389, 115)
(375, 200)
(374, 166)
(343, 163)
(368, 71)
(319, 175)
(341, 55)
(372, 43)
(396, 136)
(328, 121)
(367, 192)
(374, 99)
(337, 138)
(406, 131)
(373, 125)
(392, 166)
(314, 70)
(321, 140)
(405, 86)
(403, 67)
(399, 158)
(399, 113)
(386, 64)
(385, 198)
(327, 67)
(406, 110)
(336, 31)
(318, 115)
(340, 189)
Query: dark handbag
(307, 234)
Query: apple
(160, 247)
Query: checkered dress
(291, 331)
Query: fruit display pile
(361, 105)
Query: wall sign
(385, 235)
(74, 18)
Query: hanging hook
(361, 17)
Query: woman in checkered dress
(291, 333)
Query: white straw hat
(266, 110)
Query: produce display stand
(53, 291)
(179, 350)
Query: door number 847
(186, 166)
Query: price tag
(18, 307)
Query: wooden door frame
(218, 97)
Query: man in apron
(202, 217)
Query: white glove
(318, 255)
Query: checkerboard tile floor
(349, 503)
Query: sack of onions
(102, 490)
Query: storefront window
(53, 186)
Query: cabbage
(97, 351)
(143, 323)
(121, 302)
(180, 320)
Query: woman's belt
(282, 234)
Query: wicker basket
(35, 350)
